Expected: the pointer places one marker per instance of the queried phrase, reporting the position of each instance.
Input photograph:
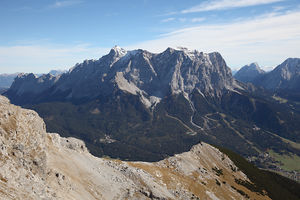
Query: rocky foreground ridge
(39, 165)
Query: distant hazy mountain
(249, 73)
(2, 90)
(234, 72)
(52, 72)
(7, 79)
(57, 72)
(285, 76)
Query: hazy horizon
(266, 68)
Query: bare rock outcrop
(139, 72)
(39, 165)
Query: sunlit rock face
(138, 72)
(39, 165)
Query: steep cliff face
(31, 84)
(39, 165)
(138, 72)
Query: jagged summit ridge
(118, 51)
(289, 69)
(139, 72)
(284, 76)
(249, 73)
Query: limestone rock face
(138, 72)
(39, 165)
(30, 84)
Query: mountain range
(137, 105)
(7, 79)
(284, 76)
(137, 72)
(282, 82)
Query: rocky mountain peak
(289, 68)
(29, 83)
(292, 62)
(255, 67)
(57, 72)
(284, 76)
(249, 73)
(138, 72)
(27, 75)
(169, 50)
(117, 51)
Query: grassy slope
(289, 162)
(277, 187)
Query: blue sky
(39, 35)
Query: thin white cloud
(279, 8)
(268, 39)
(42, 58)
(199, 19)
(183, 19)
(226, 4)
(168, 19)
(60, 4)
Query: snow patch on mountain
(138, 72)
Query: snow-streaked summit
(118, 51)
(151, 76)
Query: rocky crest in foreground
(39, 165)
